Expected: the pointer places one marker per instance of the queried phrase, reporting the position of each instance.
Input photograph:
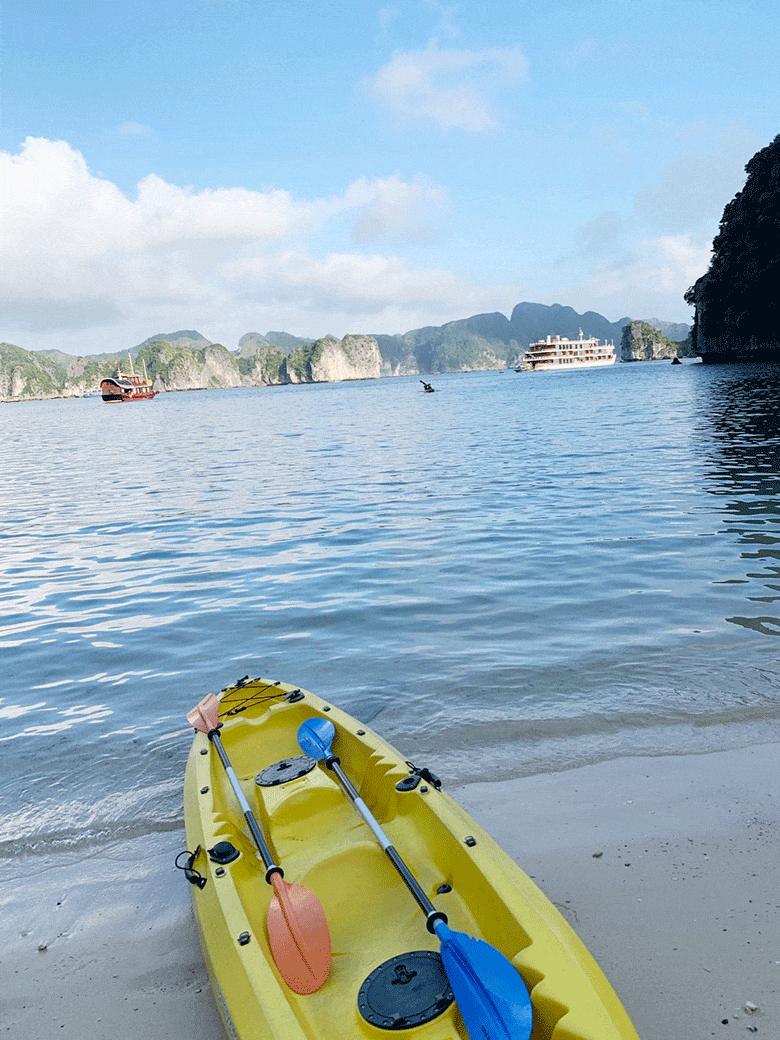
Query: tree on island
(737, 314)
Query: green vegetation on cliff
(26, 374)
(164, 360)
(82, 376)
(641, 341)
(301, 358)
(483, 341)
(737, 305)
(263, 364)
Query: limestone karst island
(735, 319)
(188, 361)
(736, 303)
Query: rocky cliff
(260, 362)
(641, 342)
(533, 321)
(187, 361)
(24, 374)
(737, 315)
(481, 342)
(27, 375)
(175, 366)
(179, 366)
(330, 360)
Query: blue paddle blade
(489, 991)
(315, 737)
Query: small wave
(471, 749)
(91, 838)
(41, 827)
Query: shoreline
(668, 868)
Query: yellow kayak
(282, 813)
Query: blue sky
(330, 167)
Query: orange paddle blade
(298, 936)
(204, 716)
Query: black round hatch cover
(406, 991)
(287, 769)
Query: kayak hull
(321, 843)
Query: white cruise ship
(556, 353)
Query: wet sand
(668, 868)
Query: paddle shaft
(257, 834)
(433, 916)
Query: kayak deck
(321, 843)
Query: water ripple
(516, 573)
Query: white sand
(681, 908)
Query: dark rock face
(737, 301)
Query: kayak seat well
(303, 799)
(351, 877)
(310, 806)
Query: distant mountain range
(483, 341)
(493, 341)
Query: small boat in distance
(558, 353)
(124, 387)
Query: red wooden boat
(124, 387)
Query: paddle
(488, 989)
(297, 930)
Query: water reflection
(740, 406)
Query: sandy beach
(668, 868)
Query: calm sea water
(517, 573)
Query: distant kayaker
(427, 387)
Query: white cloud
(348, 292)
(396, 210)
(654, 252)
(134, 129)
(53, 203)
(454, 89)
(79, 255)
(653, 276)
(364, 284)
